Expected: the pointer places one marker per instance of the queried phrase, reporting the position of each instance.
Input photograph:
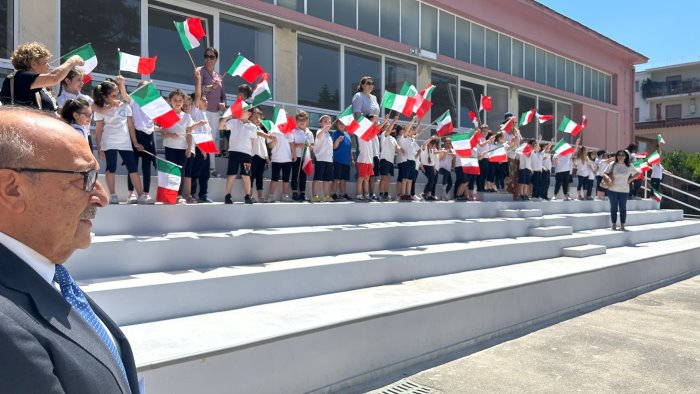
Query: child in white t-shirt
(281, 156)
(323, 151)
(240, 152)
(177, 139)
(303, 142)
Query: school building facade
(519, 52)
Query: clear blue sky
(666, 37)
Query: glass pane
(477, 53)
(504, 54)
(357, 65)
(546, 107)
(529, 62)
(541, 66)
(163, 41)
(428, 29)
(551, 70)
(6, 32)
(608, 92)
(391, 19)
(297, 5)
(526, 103)
(587, 83)
(83, 22)
(409, 22)
(518, 58)
(346, 13)
(491, 49)
(562, 111)
(444, 96)
(320, 9)
(469, 93)
(499, 98)
(601, 86)
(253, 40)
(368, 16)
(578, 89)
(569, 76)
(463, 34)
(318, 74)
(561, 73)
(447, 34)
(396, 73)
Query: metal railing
(657, 89)
(694, 197)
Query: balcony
(657, 89)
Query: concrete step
(190, 292)
(551, 231)
(583, 251)
(122, 255)
(519, 213)
(334, 342)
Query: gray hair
(16, 150)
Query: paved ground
(649, 344)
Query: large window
(477, 53)
(491, 49)
(546, 107)
(587, 82)
(322, 9)
(253, 40)
(518, 58)
(173, 63)
(469, 93)
(428, 28)
(526, 103)
(409, 22)
(499, 97)
(541, 66)
(391, 19)
(86, 21)
(504, 54)
(296, 5)
(569, 76)
(8, 28)
(368, 16)
(346, 13)
(463, 37)
(561, 73)
(551, 70)
(357, 65)
(318, 73)
(396, 73)
(447, 34)
(529, 62)
(444, 96)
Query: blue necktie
(75, 297)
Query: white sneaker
(131, 199)
(113, 199)
(145, 199)
(181, 200)
(286, 198)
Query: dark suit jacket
(47, 347)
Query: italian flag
(544, 118)
(526, 117)
(474, 118)
(88, 55)
(136, 64)
(444, 124)
(498, 155)
(408, 90)
(656, 196)
(365, 128)
(348, 120)
(465, 142)
(262, 92)
(191, 32)
(154, 105)
(205, 142)
(525, 149)
(245, 69)
(642, 155)
(267, 124)
(236, 109)
(168, 181)
(508, 125)
(641, 166)
(654, 158)
(398, 103)
(306, 165)
(570, 127)
(470, 165)
(423, 103)
(485, 103)
(660, 140)
(285, 124)
(562, 148)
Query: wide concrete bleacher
(332, 297)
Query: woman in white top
(581, 163)
(620, 173)
(323, 170)
(115, 134)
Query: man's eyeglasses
(89, 176)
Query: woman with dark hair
(27, 86)
(364, 102)
(213, 91)
(619, 175)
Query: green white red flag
(508, 125)
(245, 69)
(284, 123)
(148, 98)
(562, 148)
(474, 118)
(660, 140)
(641, 166)
(306, 165)
(544, 118)
(470, 165)
(423, 103)
(408, 90)
(656, 196)
(236, 109)
(444, 124)
(398, 103)
(497, 155)
(524, 148)
(86, 53)
(485, 103)
(570, 127)
(464, 143)
(191, 32)
(205, 142)
(654, 158)
(348, 119)
(262, 92)
(526, 117)
(169, 176)
(137, 64)
(365, 128)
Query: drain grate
(407, 387)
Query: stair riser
(346, 355)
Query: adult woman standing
(27, 85)
(213, 92)
(619, 175)
(365, 103)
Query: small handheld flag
(191, 32)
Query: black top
(24, 95)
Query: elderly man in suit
(53, 338)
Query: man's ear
(13, 191)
